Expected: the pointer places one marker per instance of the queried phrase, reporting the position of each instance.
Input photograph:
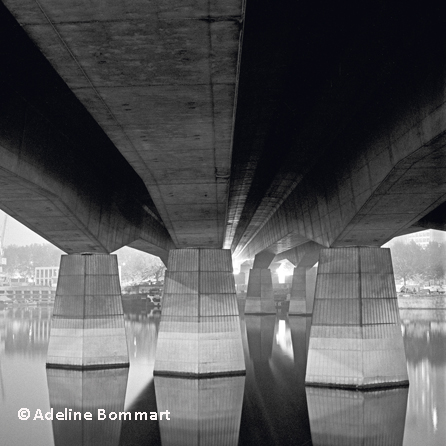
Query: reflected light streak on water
(142, 330)
(275, 405)
(425, 343)
(283, 338)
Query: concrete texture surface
(244, 126)
(161, 82)
(170, 125)
(260, 293)
(199, 332)
(298, 294)
(87, 327)
(356, 338)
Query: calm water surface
(269, 406)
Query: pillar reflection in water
(24, 330)
(202, 411)
(300, 327)
(87, 391)
(142, 330)
(350, 418)
(260, 334)
(274, 406)
(425, 339)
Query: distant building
(422, 238)
(151, 288)
(46, 275)
(27, 294)
(17, 281)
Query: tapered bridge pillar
(87, 328)
(260, 293)
(302, 293)
(298, 295)
(356, 338)
(199, 332)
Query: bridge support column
(260, 293)
(298, 295)
(355, 338)
(199, 333)
(87, 328)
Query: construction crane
(2, 240)
(3, 277)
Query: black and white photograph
(222, 223)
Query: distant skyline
(18, 234)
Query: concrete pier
(260, 293)
(302, 290)
(199, 333)
(355, 338)
(87, 328)
(298, 295)
(303, 257)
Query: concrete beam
(311, 102)
(388, 132)
(60, 174)
(305, 255)
(162, 89)
(436, 219)
(263, 259)
(387, 186)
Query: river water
(269, 406)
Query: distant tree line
(21, 260)
(136, 266)
(411, 261)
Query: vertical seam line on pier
(359, 287)
(84, 259)
(198, 285)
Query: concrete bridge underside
(189, 127)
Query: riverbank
(413, 301)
